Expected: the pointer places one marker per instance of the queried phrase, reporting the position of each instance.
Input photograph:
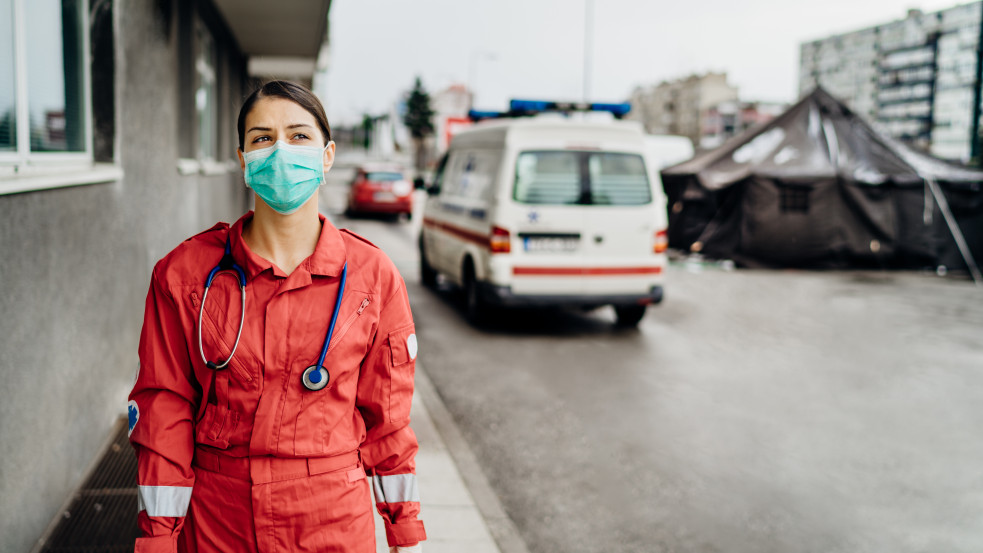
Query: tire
(629, 315)
(428, 275)
(475, 308)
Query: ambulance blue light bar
(520, 108)
(476, 115)
(539, 106)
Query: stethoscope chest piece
(315, 378)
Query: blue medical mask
(285, 176)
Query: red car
(381, 188)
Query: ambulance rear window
(581, 178)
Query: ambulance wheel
(428, 275)
(475, 308)
(629, 315)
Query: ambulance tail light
(500, 241)
(661, 243)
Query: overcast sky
(535, 48)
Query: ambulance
(549, 210)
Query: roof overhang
(292, 31)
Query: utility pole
(476, 56)
(588, 46)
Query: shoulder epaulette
(359, 237)
(218, 226)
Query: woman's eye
(300, 136)
(261, 139)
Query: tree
(419, 120)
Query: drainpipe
(974, 137)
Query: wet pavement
(753, 411)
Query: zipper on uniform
(348, 323)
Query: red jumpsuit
(245, 459)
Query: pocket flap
(403, 345)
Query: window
(206, 100)
(43, 82)
(551, 178)
(585, 178)
(618, 179)
(793, 199)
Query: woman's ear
(242, 160)
(328, 156)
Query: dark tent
(819, 187)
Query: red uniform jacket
(257, 406)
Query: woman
(264, 399)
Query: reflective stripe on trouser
(395, 488)
(328, 512)
(163, 501)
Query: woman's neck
(285, 240)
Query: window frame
(22, 170)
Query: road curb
(500, 526)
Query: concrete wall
(75, 263)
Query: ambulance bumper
(503, 296)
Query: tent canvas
(819, 187)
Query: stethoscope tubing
(313, 375)
(227, 264)
(334, 316)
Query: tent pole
(956, 233)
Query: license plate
(383, 197)
(550, 244)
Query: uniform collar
(328, 258)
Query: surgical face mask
(285, 176)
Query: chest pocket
(216, 421)
(219, 339)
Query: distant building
(450, 108)
(917, 78)
(731, 118)
(678, 107)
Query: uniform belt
(265, 468)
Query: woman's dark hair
(290, 91)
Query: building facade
(917, 78)
(729, 119)
(450, 107)
(679, 107)
(117, 142)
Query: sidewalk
(459, 515)
(459, 509)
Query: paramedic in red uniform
(274, 451)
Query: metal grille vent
(102, 517)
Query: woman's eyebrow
(292, 126)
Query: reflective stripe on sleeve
(395, 488)
(164, 501)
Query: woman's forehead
(275, 111)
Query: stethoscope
(316, 376)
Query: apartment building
(731, 118)
(917, 78)
(678, 107)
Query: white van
(547, 211)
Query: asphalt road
(753, 411)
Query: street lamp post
(476, 56)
